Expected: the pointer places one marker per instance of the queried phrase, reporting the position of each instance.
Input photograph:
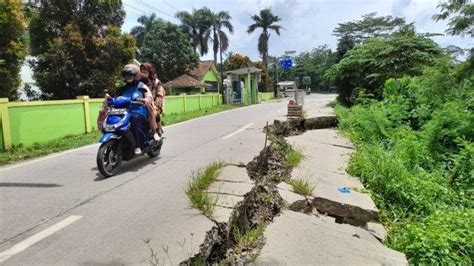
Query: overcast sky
(308, 23)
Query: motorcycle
(118, 143)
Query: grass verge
(196, 190)
(302, 187)
(20, 153)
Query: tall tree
(461, 14)
(366, 67)
(169, 49)
(78, 46)
(197, 25)
(370, 26)
(344, 44)
(266, 21)
(139, 32)
(12, 47)
(219, 22)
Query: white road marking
(281, 110)
(237, 132)
(37, 237)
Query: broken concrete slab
(377, 230)
(228, 201)
(349, 212)
(320, 122)
(234, 174)
(232, 184)
(294, 201)
(321, 241)
(324, 165)
(221, 214)
(227, 188)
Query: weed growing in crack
(249, 240)
(196, 190)
(266, 197)
(293, 157)
(302, 187)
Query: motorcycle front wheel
(109, 158)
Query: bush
(369, 65)
(445, 237)
(415, 155)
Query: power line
(155, 9)
(175, 8)
(143, 12)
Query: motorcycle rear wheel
(156, 150)
(109, 158)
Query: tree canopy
(460, 14)
(169, 49)
(365, 68)
(370, 26)
(12, 47)
(78, 46)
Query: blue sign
(286, 63)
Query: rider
(137, 91)
(157, 91)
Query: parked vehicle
(118, 143)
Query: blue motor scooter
(118, 143)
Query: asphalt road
(58, 210)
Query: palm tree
(196, 25)
(139, 32)
(265, 20)
(219, 21)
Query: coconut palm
(219, 21)
(139, 32)
(196, 24)
(266, 21)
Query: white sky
(308, 23)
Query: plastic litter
(344, 190)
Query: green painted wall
(192, 103)
(32, 124)
(1, 134)
(206, 102)
(174, 105)
(245, 93)
(265, 96)
(178, 91)
(38, 122)
(211, 76)
(94, 113)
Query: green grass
(20, 153)
(293, 157)
(248, 240)
(302, 187)
(196, 190)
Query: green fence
(27, 123)
(265, 96)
